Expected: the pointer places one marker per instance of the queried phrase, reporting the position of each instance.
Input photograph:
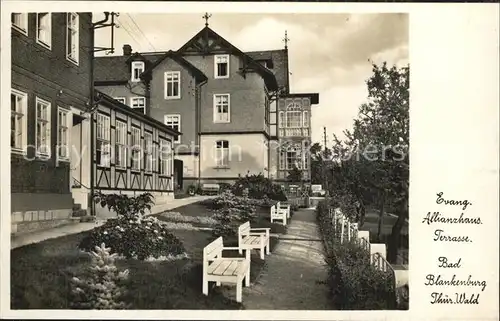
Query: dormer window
(221, 66)
(137, 70)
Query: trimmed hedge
(354, 283)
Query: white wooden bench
(284, 207)
(278, 214)
(253, 238)
(210, 188)
(225, 269)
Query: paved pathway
(290, 279)
(39, 236)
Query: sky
(328, 53)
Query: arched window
(293, 116)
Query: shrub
(138, 237)
(355, 283)
(258, 187)
(124, 205)
(229, 212)
(191, 190)
(101, 285)
(130, 234)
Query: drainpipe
(91, 196)
(198, 125)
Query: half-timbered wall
(111, 175)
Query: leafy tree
(372, 163)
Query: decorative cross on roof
(206, 16)
(286, 39)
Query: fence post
(348, 230)
(342, 230)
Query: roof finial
(206, 16)
(285, 40)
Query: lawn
(40, 272)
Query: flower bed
(355, 284)
(138, 237)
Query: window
(123, 100)
(137, 70)
(72, 42)
(44, 28)
(63, 134)
(18, 120)
(291, 157)
(103, 146)
(174, 122)
(139, 104)
(305, 119)
(172, 85)
(42, 128)
(293, 116)
(20, 22)
(121, 144)
(148, 152)
(221, 66)
(136, 148)
(221, 108)
(165, 157)
(281, 123)
(222, 153)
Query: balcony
(294, 132)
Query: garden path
(39, 236)
(293, 270)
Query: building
(225, 103)
(133, 154)
(51, 91)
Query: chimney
(127, 50)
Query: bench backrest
(244, 229)
(213, 250)
(210, 186)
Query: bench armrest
(257, 234)
(233, 248)
(260, 229)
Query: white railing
(291, 132)
(349, 231)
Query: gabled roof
(279, 59)
(198, 74)
(109, 101)
(208, 41)
(116, 68)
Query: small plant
(124, 205)
(102, 284)
(191, 190)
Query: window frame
(76, 42)
(148, 152)
(68, 126)
(166, 122)
(24, 121)
(121, 147)
(48, 129)
(135, 148)
(134, 67)
(165, 163)
(122, 100)
(166, 81)
(45, 44)
(222, 160)
(103, 136)
(135, 107)
(25, 21)
(216, 70)
(215, 107)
